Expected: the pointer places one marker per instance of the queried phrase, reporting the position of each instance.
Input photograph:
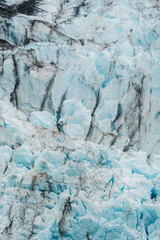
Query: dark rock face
(29, 7)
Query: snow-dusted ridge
(79, 120)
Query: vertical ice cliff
(103, 54)
(79, 119)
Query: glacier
(79, 120)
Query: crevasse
(79, 120)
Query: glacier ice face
(43, 119)
(57, 187)
(23, 156)
(79, 95)
(75, 119)
(95, 53)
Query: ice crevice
(97, 94)
(79, 120)
(13, 95)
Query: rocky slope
(79, 119)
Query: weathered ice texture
(104, 54)
(79, 119)
(56, 187)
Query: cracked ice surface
(102, 53)
(56, 187)
(79, 95)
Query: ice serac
(79, 120)
(57, 187)
(102, 53)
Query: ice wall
(104, 54)
(79, 120)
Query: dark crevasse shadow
(28, 7)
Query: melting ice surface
(79, 121)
